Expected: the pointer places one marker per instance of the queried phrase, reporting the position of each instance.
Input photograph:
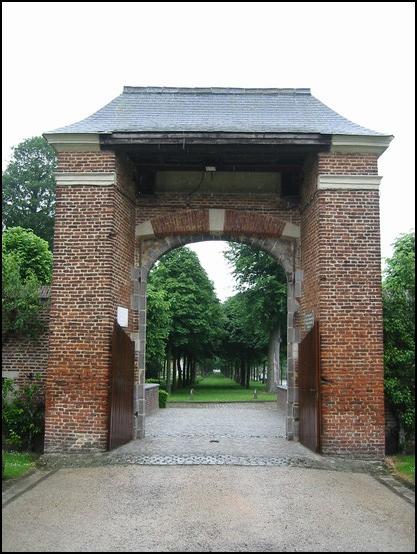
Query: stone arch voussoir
(217, 221)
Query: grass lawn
(217, 388)
(405, 466)
(17, 464)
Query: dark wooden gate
(121, 395)
(309, 389)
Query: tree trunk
(188, 371)
(247, 374)
(179, 376)
(179, 370)
(174, 372)
(168, 371)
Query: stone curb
(22, 485)
(397, 487)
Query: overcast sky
(64, 60)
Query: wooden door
(309, 389)
(121, 393)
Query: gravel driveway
(230, 506)
(208, 509)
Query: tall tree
(400, 331)
(244, 340)
(158, 327)
(261, 276)
(29, 188)
(195, 310)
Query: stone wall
(151, 398)
(282, 394)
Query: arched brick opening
(278, 238)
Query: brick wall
(86, 162)
(347, 164)
(93, 258)
(342, 284)
(164, 204)
(23, 357)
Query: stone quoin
(161, 167)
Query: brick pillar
(93, 257)
(342, 263)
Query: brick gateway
(158, 168)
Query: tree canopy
(26, 265)
(243, 337)
(158, 328)
(29, 188)
(399, 331)
(261, 305)
(31, 252)
(182, 298)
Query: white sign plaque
(122, 316)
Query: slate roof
(160, 109)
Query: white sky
(64, 60)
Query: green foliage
(27, 264)
(405, 466)
(29, 188)
(258, 308)
(163, 398)
(22, 414)
(32, 252)
(195, 309)
(159, 320)
(21, 304)
(399, 331)
(260, 273)
(244, 337)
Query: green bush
(21, 305)
(31, 251)
(163, 397)
(23, 414)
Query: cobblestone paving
(216, 434)
(218, 420)
(223, 434)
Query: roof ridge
(214, 90)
